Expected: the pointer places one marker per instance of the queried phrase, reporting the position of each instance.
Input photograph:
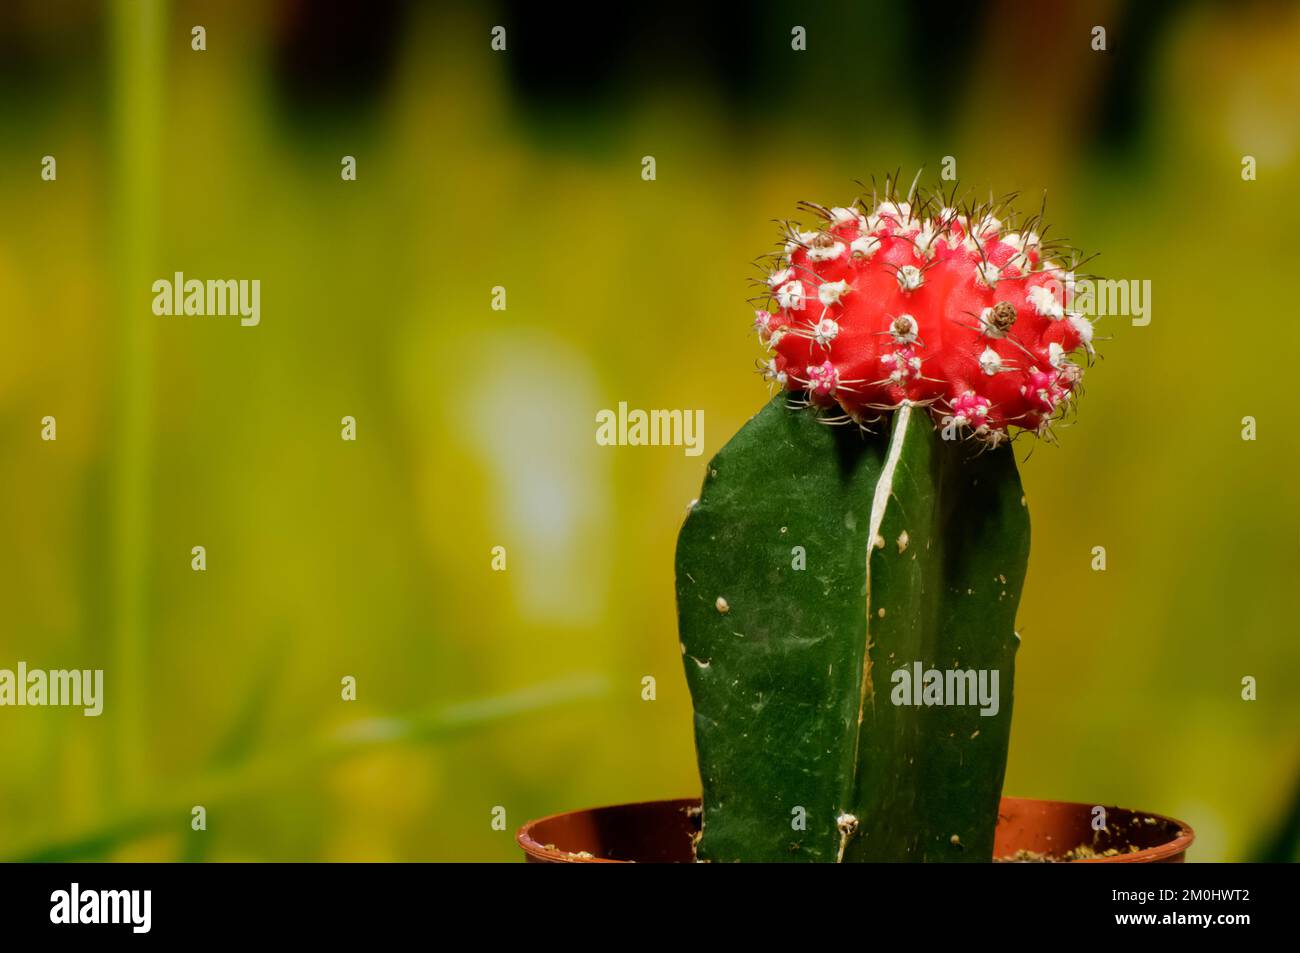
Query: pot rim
(524, 836)
(1171, 848)
(549, 852)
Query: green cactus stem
(822, 570)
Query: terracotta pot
(661, 831)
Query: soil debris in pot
(1082, 852)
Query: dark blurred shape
(1282, 845)
(575, 56)
(336, 54)
(47, 47)
(583, 60)
(946, 30)
(1120, 118)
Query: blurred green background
(523, 689)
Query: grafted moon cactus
(847, 595)
(918, 301)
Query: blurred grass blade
(1282, 846)
(137, 44)
(241, 738)
(170, 809)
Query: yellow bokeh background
(476, 427)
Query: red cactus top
(950, 309)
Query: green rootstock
(846, 603)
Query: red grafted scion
(957, 310)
